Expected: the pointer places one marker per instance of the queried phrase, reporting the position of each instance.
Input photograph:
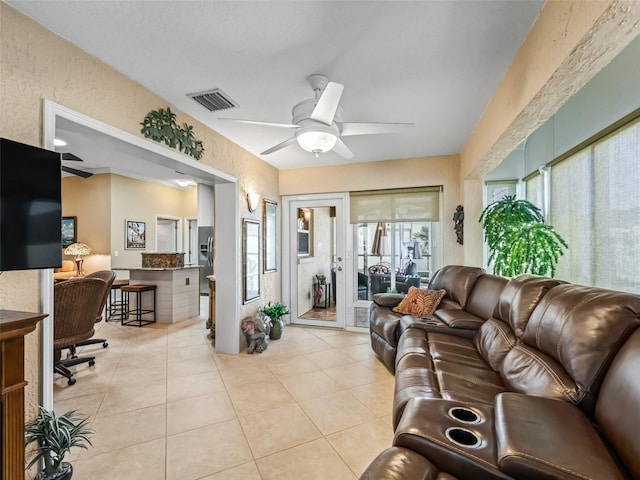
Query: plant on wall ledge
(518, 239)
(161, 126)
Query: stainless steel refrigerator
(205, 257)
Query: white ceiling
(432, 63)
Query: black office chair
(76, 304)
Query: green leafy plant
(518, 239)
(56, 435)
(422, 235)
(161, 126)
(275, 310)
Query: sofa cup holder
(462, 437)
(465, 415)
(430, 321)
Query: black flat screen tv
(30, 207)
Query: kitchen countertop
(156, 269)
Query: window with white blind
(535, 193)
(394, 238)
(497, 190)
(595, 206)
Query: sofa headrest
(582, 329)
(519, 297)
(457, 280)
(618, 405)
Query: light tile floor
(164, 406)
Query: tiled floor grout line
(275, 365)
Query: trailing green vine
(161, 126)
(518, 239)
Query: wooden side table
(14, 326)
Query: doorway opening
(315, 252)
(168, 234)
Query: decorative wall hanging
(161, 126)
(250, 259)
(69, 231)
(458, 223)
(270, 240)
(135, 234)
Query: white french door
(316, 270)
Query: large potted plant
(55, 436)
(519, 240)
(275, 311)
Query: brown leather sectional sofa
(523, 378)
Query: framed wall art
(250, 259)
(69, 231)
(270, 237)
(135, 234)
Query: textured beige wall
(89, 199)
(411, 172)
(37, 64)
(135, 200)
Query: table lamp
(79, 250)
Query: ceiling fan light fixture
(317, 141)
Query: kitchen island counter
(178, 296)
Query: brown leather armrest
(544, 438)
(423, 428)
(400, 464)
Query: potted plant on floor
(519, 240)
(55, 436)
(275, 311)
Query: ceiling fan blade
(256, 122)
(74, 171)
(350, 128)
(70, 157)
(328, 103)
(341, 149)
(280, 146)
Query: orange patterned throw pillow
(420, 302)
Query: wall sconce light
(79, 250)
(252, 200)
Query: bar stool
(117, 307)
(138, 311)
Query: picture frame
(69, 231)
(250, 259)
(135, 233)
(304, 225)
(270, 236)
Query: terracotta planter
(276, 329)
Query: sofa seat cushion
(459, 318)
(455, 349)
(437, 365)
(469, 384)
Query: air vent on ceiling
(213, 100)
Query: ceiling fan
(318, 122)
(70, 157)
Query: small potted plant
(55, 436)
(275, 311)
